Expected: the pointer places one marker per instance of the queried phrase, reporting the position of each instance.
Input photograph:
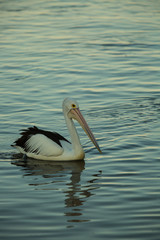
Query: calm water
(106, 54)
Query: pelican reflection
(64, 176)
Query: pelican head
(71, 108)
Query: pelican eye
(73, 106)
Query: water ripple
(105, 54)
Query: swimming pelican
(44, 145)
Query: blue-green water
(106, 54)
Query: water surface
(106, 54)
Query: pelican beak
(76, 114)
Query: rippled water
(106, 54)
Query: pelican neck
(75, 140)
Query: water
(106, 54)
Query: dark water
(106, 54)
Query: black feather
(27, 133)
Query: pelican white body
(44, 145)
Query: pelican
(44, 145)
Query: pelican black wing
(27, 133)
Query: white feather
(43, 146)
